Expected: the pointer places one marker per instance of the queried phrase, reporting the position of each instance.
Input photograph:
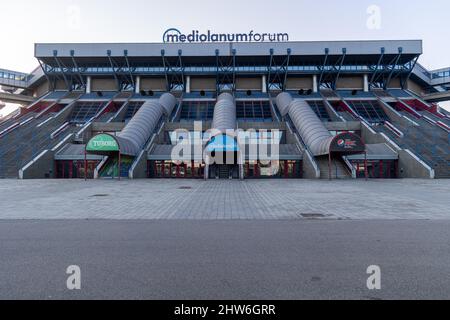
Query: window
(253, 111)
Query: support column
(85, 165)
(188, 84)
(264, 84)
(206, 171)
(88, 85)
(138, 84)
(366, 83)
(315, 87)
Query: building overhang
(301, 53)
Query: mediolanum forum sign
(102, 143)
(174, 35)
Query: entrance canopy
(347, 143)
(222, 143)
(379, 151)
(102, 143)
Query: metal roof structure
(75, 152)
(362, 51)
(381, 60)
(379, 151)
(384, 60)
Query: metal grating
(320, 109)
(369, 110)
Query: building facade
(286, 110)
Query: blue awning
(222, 143)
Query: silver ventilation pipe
(141, 127)
(312, 130)
(224, 113)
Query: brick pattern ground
(224, 200)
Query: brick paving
(225, 200)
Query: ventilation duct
(312, 130)
(224, 113)
(135, 135)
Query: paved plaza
(225, 200)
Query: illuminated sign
(347, 143)
(222, 143)
(102, 143)
(174, 35)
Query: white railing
(10, 128)
(443, 126)
(58, 131)
(305, 150)
(29, 164)
(431, 171)
(64, 141)
(394, 129)
(350, 167)
(100, 166)
(386, 138)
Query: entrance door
(224, 171)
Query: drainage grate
(185, 188)
(100, 195)
(312, 215)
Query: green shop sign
(102, 143)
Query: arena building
(315, 110)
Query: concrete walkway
(218, 200)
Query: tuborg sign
(102, 143)
(174, 35)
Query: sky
(26, 22)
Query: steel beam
(374, 75)
(270, 70)
(288, 60)
(278, 73)
(130, 72)
(404, 82)
(47, 76)
(72, 54)
(394, 65)
(341, 63)
(114, 70)
(325, 61)
(225, 71)
(60, 66)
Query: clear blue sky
(26, 22)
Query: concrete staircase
(20, 147)
(338, 169)
(430, 143)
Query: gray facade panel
(225, 49)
